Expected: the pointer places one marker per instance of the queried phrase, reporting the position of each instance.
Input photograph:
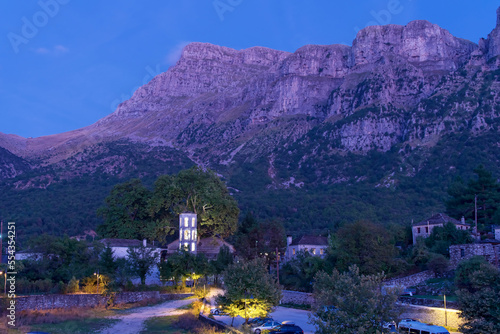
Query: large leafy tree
(250, 291)
(366, 244)
(183, 265)
(132, 211)
(352, 303)
(478, 296)
(125, 212)
(486, 189)
(199, 191)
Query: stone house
(489, 249)
(314, 245)
(424, 228)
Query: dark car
(288, 329)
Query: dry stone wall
(47, 302)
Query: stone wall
(47, 302)
(427, 302)
(432, 315)
(295, 297)
(411, 280)
(463, 252)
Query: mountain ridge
(373, 115)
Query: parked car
(254, 322)
(216, 311)
(267, 325)
(287, 328)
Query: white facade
(188, 232)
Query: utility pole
(277, 266)
(475, 212)
(445, 313)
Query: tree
(352, 303)
(298, 273)
(107, 264)
(125, 212)
(183, 265)
(141, 261)
(462, 199)
(250, 291)
(442, 238)
(224, 260)
(478, 296)
(365, 244)
(199, 191)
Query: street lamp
(97, 274)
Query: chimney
(144, 242)
(288, 240)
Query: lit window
(186, 234)
(293, 251)
(186, 223)
(186, 246)
(314, 251)
(192, 222)
(194, 235)
(192, 246)
(321, 251)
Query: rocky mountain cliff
(294, 119)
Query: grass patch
(83, 326)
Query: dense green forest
(392, 187)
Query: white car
(266, 326)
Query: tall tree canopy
(487, 190)
(126, 211)
(198, 191)
(478, 296)
(250, 291)
(365, 244)
(132, 211)
(352, 303)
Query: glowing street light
(97, 274)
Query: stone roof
(121, 242)
(310, 240)
(438, 219)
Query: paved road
(299, 317)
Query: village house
(314, 245)
(424, 228)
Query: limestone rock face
(394, 85)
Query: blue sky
(65, 64)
